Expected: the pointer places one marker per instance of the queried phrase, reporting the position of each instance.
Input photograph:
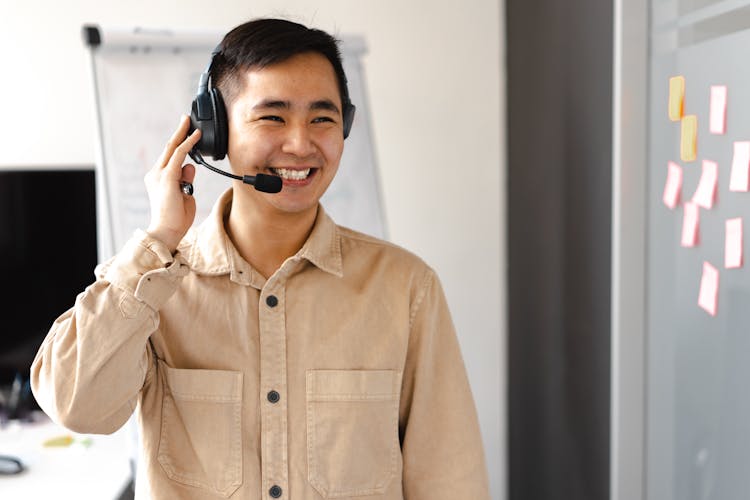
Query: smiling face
(287, 122)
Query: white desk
(97, 472)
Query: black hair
(262, 42)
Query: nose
(298, 140)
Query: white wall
(436, 78)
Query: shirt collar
(209, 250)
(323, 246)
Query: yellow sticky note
(688, 137)
(59, 441)
(676, 98)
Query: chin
(294, 206)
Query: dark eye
(323, 119)
(273, 118)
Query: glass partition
(697, 364)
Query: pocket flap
(341, 385)
(205, 385)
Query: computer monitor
(48, 251)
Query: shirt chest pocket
(201, 439)
(352, 431)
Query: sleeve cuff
(147, 269)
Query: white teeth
(295, 175)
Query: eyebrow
(322, 104)
(325, 105)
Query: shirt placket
(273, 388)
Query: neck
(266, 238)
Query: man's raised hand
(172, 211)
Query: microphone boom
(262, 182)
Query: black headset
(209, 114)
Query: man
(268, 352)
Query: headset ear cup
(201, 118)
(349, 110)
(221, 126)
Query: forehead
(303, 77)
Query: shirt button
(273, 397)
(272, 301)
(275, 491)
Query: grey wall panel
(559, 101)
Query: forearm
(95, 359)
(89, 369)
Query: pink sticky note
(709, 293)
(706, 192)
(718, 121)
(673, 186)
(690, 223)
(733, 243)
(738, 180)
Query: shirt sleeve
(441, 442)
(95, 359)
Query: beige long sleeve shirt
(340, 376)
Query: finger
(173, 170)
(186, 181)
(177, 137)
(188, 173)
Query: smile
(292, 174)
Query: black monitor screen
(48, 251)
